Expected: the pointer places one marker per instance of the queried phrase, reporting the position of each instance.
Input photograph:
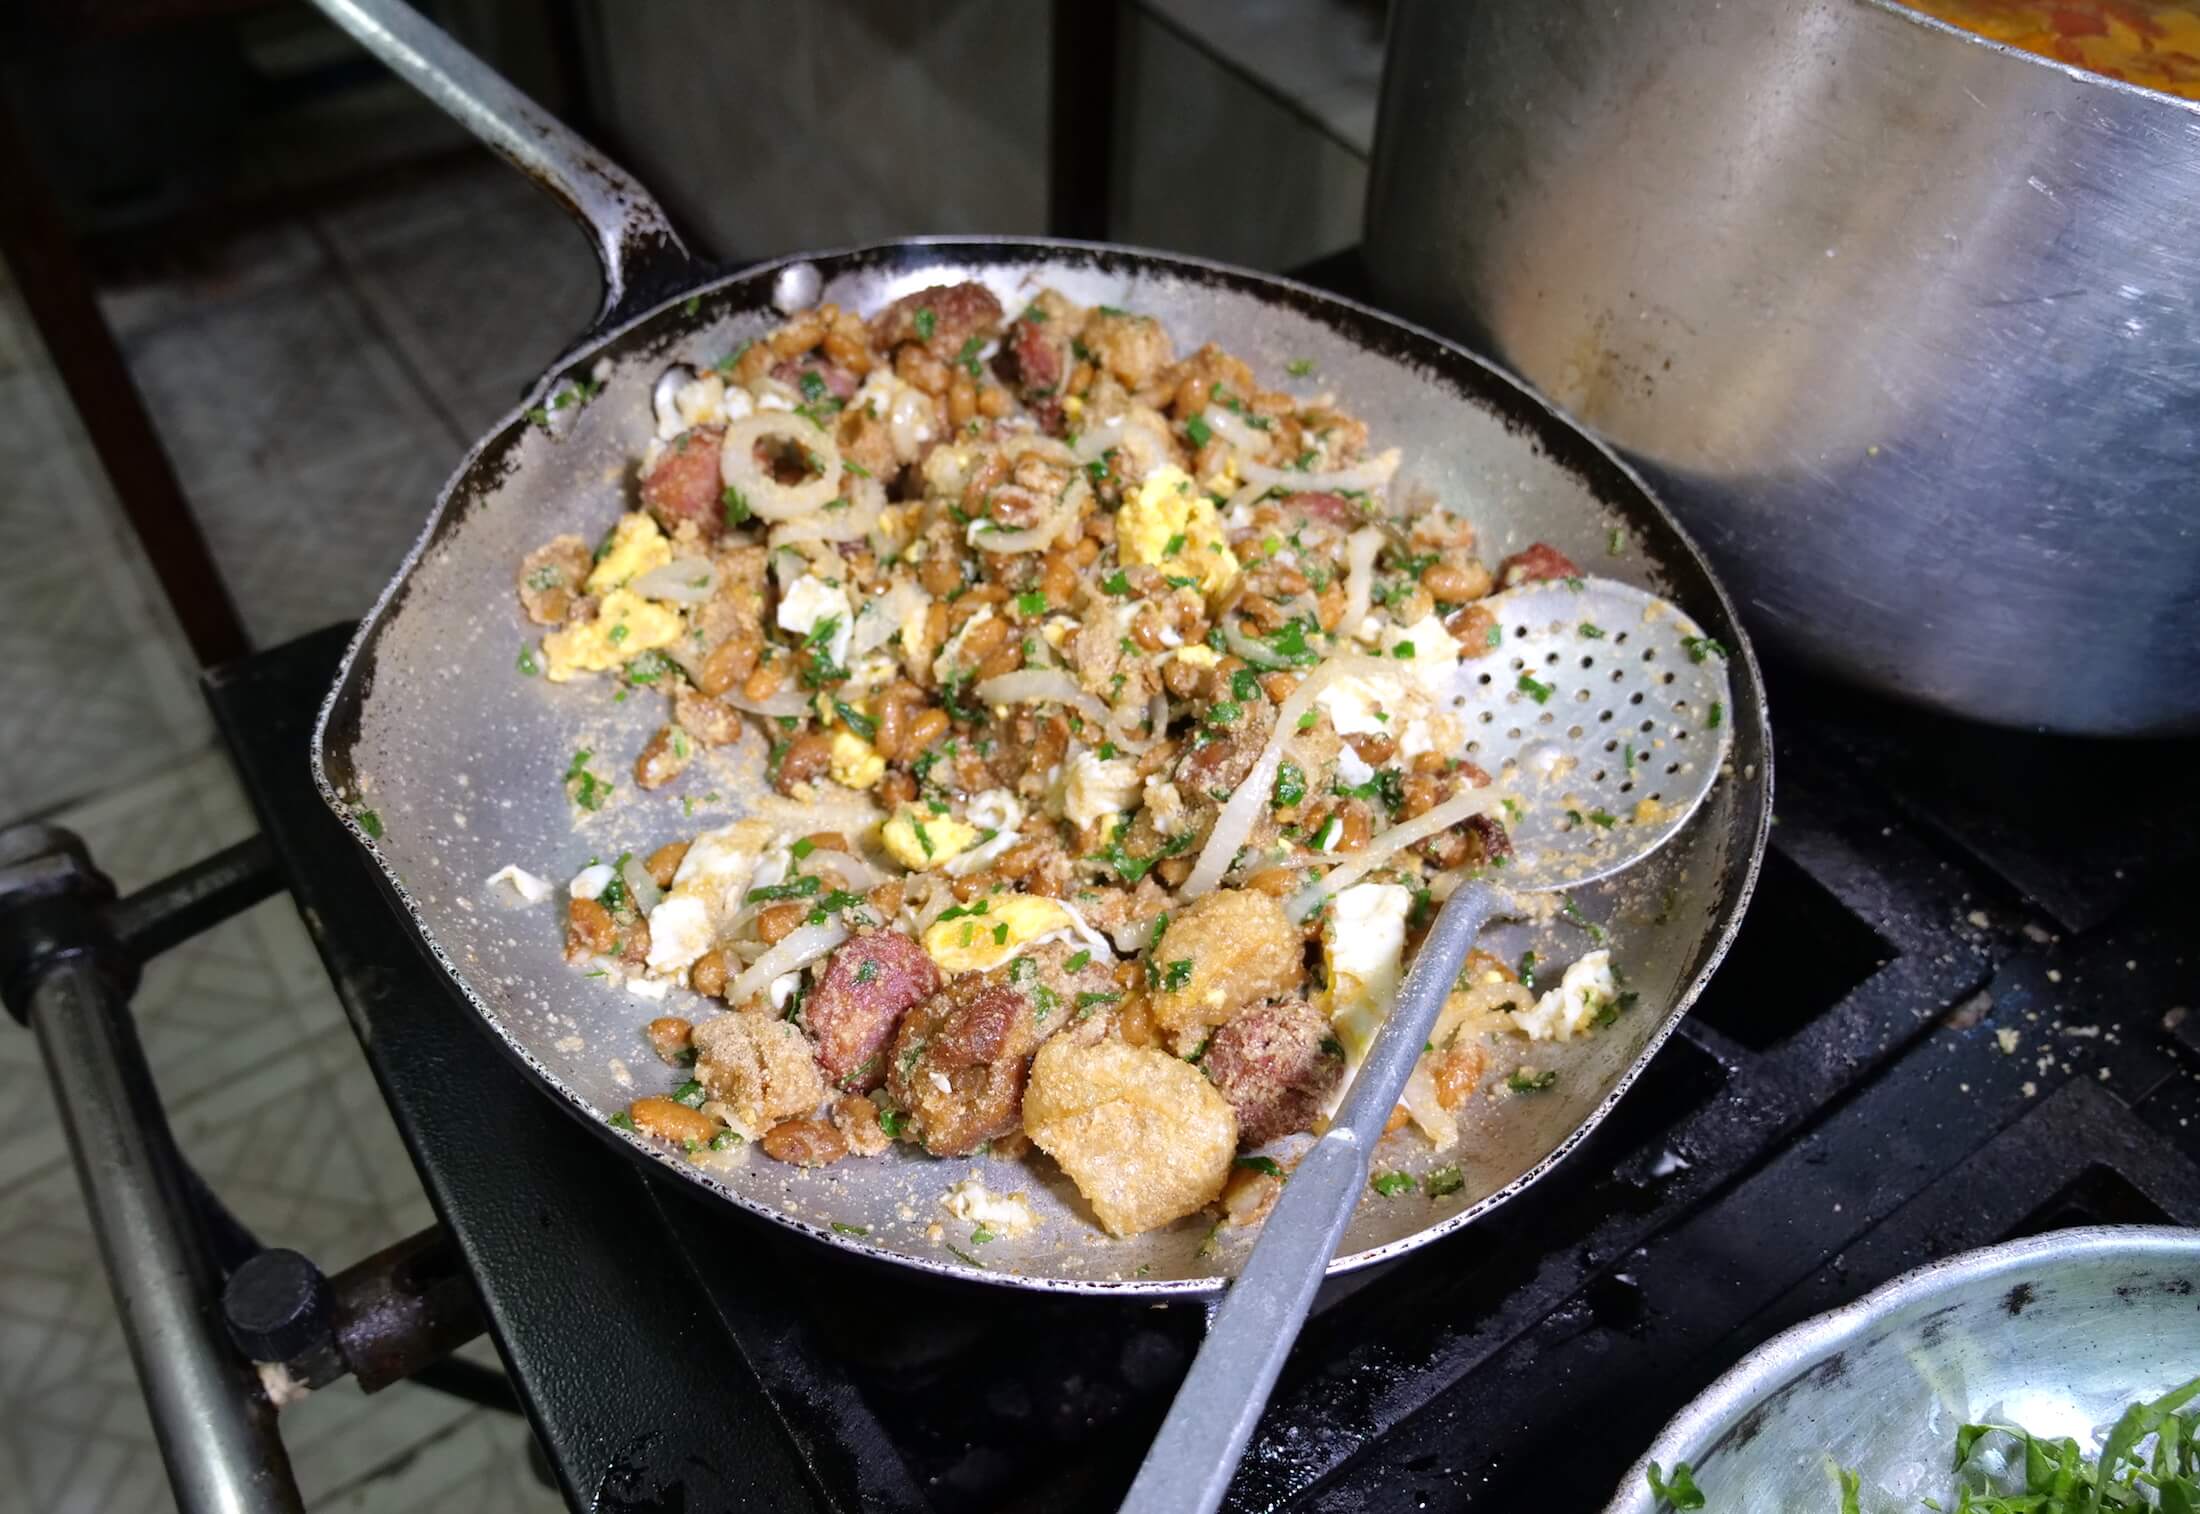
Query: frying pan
(447, 762)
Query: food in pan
(2149, 1461)
(1111, 686)
(2154, 43)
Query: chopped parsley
(1539, 692)
(927, 322)
(1525, 1081)
(1078, 960)
(1443, 1181)
(1716, 717)
(1290, 784)
(369, 822)
(1299, 367)
(1391, 1184)
(621, 1120)
(527, 665)
(1116, 583)
(840, 1229)
(858, 722)
(1681, 1492)
(1174, 545)
(1526, 970)
(967, 358)
(587, 790)
(1199, 431)
(1031, 602)
(793, 888)
(1592, 630)
(725, 1140)
(689, 1093)
(1702, 647)
(1265, 1166)
(893, 1122)
(1179, 973)
(735, 505)
(1288, 641)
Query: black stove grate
(1955, 1015)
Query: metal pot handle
(643, 258)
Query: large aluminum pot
(1905, 324)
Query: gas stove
(1956, 1014)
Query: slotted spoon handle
(1191, 1461)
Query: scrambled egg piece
(1196, 656)
(1424, 651)
(1169, 511)
(636, 547)
(1004, 925)
(808, 604)
(1571, 1009)
(1095, 789)
(1359, 706)
(626, 625)
(854, 761)
(1363, 944)
(919, 841)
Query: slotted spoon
(1601, 714)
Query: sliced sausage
(1541, 561)
(942, 319)
(1277, 1066)
(1034, 358)
(868, 984)
(838, 381)
(685, 484)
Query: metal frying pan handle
(642, 256)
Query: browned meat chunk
(943, 319)
(1134, 348)
(550, 579)
(868, 984)
(685, 485)
(1230, 948)
(1539, 562)
(759, 1067)
(1277, 1065)
(1034, 356)
(957, 1064)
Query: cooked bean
(828, 841)
(804, 1143)
(962, 399)
(765, 681)
(1058, 580)
(665, 862)
(668, 1037)
(668, 1120)
(1356, 832)
(589, 928)
(806, 758)
(983, 641)
(993, 401)
(941, 573)
(1453, 584)
(1475, 629)
(709, 973)
(929, 726)
(1374, 747)
(776, 922)
(731, 661)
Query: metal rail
(211, 1318)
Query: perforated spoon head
(1601, 711)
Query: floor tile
(315, 540)
(480, 281)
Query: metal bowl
(2057, 1334)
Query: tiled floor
(314, 383)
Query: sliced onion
(1042, 685)
(640, 887)
(1458, 807)
(684, 580)
(1246, 806)
(1237, 431)
(664, 399)
(848, 524)
(878, 619)
(1375, 473)
(767, 496)
(1038, 538)
(1141, 434)
(1361, 549)
(788, 701)
(1086, 933)
(799, 948)
(855, 874)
